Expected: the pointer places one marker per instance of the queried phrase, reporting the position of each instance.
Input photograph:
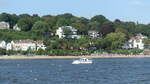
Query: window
(138, 41)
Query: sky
(125, 10)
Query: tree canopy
(112, 33)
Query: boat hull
(79, 62)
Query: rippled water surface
(102, 71)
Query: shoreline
(22, 57)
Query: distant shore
(19, 57)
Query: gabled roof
(38, 42)
(138, 36)
(29, 41)
(69, 27)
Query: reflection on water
(102, 71)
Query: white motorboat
(82, 61)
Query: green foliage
(10, 18)
(126, 52)
(107, 28)
(41, 52)
(114, 40)
(9, 35)
(68, 46)
(11, 52)
(68, 32)
(99, 18)
(146, 41)
(51, 20)
(24, 16)
(35, 27)
(95, 26)
(2, 51)
(41, 29)
(25, 24)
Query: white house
(23, 45)
(93, 33)
(16, 28)
(3, 44)
(9, 46)
(40, 45)
(4, 25)
(135, 42)
(61, 34)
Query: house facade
(60, 32)
(24, 45)
(93, 33)
(40, 45)
(16, 28)
(4, 25)
(3, 44)
(135, 42)
(9, 46)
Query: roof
(3, 22)
(69, 27)
(38, 42)
(29, 41)
(23, 41)
(139, 36)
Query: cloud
(138, 3)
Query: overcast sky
(126, 10)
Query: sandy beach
(70, 57)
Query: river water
(54, 71)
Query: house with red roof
(135, 42)
(24, 45)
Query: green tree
(81, 24)
(13, 20)
(67, 32)
(24, 16)
(64, 19)
(41, 52)
(51, 20)
(82, 29)
(114, 40)
(10, 18)
(106, 29)
(25, 24)
(2, 51)
(146, 42)
(94, 26)
(35, 18)
(100, 19)
(42, 28)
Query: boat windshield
(84, 59)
